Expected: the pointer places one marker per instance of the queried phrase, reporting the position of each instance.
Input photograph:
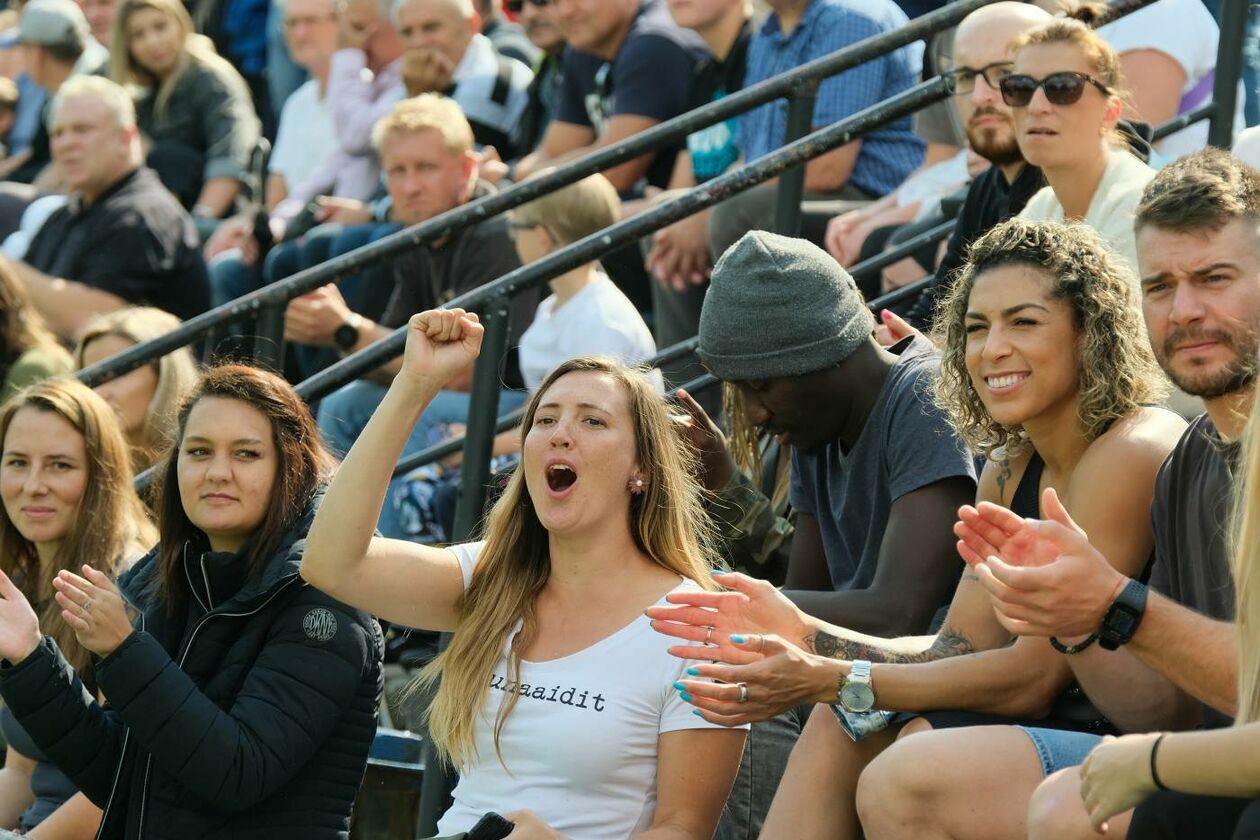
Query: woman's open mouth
(560, 477)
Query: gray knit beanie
(778, 306)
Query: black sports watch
(347, 335)
(1123, 616)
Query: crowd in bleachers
(981, 563)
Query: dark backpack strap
(502, 82)
(1027, 499)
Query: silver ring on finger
(708, 636)
(87, 605)
(743, 692)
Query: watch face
(857, 696)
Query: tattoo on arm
(1003, 476)
(949, 642)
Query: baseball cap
(53, 23)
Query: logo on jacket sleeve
(319, 625)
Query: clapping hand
(1044, 576)
(713, 618)
(19, 625)
(94, 609)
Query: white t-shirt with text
(581, 742)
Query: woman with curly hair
(1046, 371)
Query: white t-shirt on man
(305, 136)
(581, 742)
(1185, 31)
(597, 321)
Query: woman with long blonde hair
(1209, 779)
(148, 398)
(555, 702)
(193, 107)
(65, 483)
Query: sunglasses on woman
(514, 6)
(1063, 88)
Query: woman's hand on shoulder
(19, 625)
(441, 344)
(94, 608)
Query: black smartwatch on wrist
(347, 335)
(1123, 616)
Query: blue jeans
(345, 412)
(766, 754)
(1060, 748)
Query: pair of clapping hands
(90, 603)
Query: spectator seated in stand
(146, 399)
(426, 148)
(678, 255)
(1167, 52)
(445, 53)
(194, 111)
(306, 138)
(270, 709)
(1093, 177)
(860, 171)
(597, 745)
(29, 352)
(65, 484)
(123, 238)
(509, 38)
(100, 16)
(539, 20)
(1048, 301)
(56, 44)
(585, 315)
(628, 66)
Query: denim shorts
(1060, 748)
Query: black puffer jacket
(247, 715)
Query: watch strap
(1123, 616)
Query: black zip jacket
(249, 714)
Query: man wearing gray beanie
(877, 475)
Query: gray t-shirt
(1190, 518)
(907, 443)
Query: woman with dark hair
(29, 351)
(61, 453)
(242, 701)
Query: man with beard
(1159, 655)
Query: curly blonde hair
(1115, 367)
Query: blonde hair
(1246, 547)
(1116, 370)
(668, 525)
(111, 521)
(426, 112)
(176, 371)
(575, 212)
(124, 70)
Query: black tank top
(1072, 709)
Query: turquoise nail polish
(680, 686)
(696, 712)
(739, 640)
(717, 572)
(695, 672)
(686, 696)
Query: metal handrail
(453, 221)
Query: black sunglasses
(1062, 88)
(514, 6)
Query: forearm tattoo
(949, 642)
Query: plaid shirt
(887, 154)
